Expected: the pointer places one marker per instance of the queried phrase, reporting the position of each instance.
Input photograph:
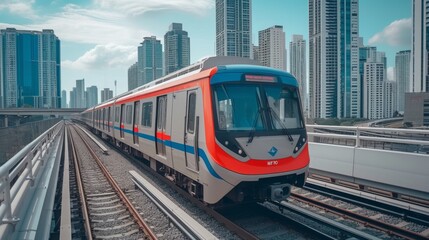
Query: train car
(223, 131)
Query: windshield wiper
(285, 130)
(255, 122)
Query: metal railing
(20, 172)
(370, 137)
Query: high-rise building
(72, 103)
(419, 72)
(91, 96)
(106, 94)
(80, 94)
(255, 52)
(272, 47)
(234, 28)
(29, 69)
(389, 98)
(150, 59)
(133, 76)
(63, 99)
(402, 78)
(298, 64)
(334, 58)
(374, 85)
(374, 79)
(177, 48)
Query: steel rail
(239, 231)
(339, 227)
(385, 227)
(139, 220)
(84, 206)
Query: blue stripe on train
(180, 147)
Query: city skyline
(105, 49)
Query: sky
(99, 38)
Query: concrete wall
(13, 139)
(400, 172)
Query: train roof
(202, 68)
(199, 67)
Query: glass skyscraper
(29, 69)
(177, 48)
(234, 28)
(334, 59)
(150, 60)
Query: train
(225, 129)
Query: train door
(108, 119)
(136, 122)
(161, 117)
(103, 123)
(121, 120)
(93, 118)
(191, 132)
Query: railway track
(365, 217)
(272, 225)
(107, 212)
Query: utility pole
(115, 89)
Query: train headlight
(229, 142)
(301, 142)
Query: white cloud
(104, 57)
(138, 7)
(397, 33)
(391, 74)
(22, 8)
(81, 25)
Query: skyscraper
(334, 58)
(419, 72)
(402, 77)
(389, 98)
(29, 69)
(72, 103)
(374, 90)
(298, 64)
(133, 76)
(234, 28)
(63, 99)
(375, 102)
(272, 47)
(106, 94)
(80, 94)
(177, 48)
(91, 96)
(150, 59)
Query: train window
(191, 113)
(117, 114)
(147, 114)
(284, 106)
(129, 114)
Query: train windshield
(257, 107)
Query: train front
(260, 141)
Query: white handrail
(357, 133)
(21, 168)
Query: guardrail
(388, 159)
(370, 137)
(20, 173)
